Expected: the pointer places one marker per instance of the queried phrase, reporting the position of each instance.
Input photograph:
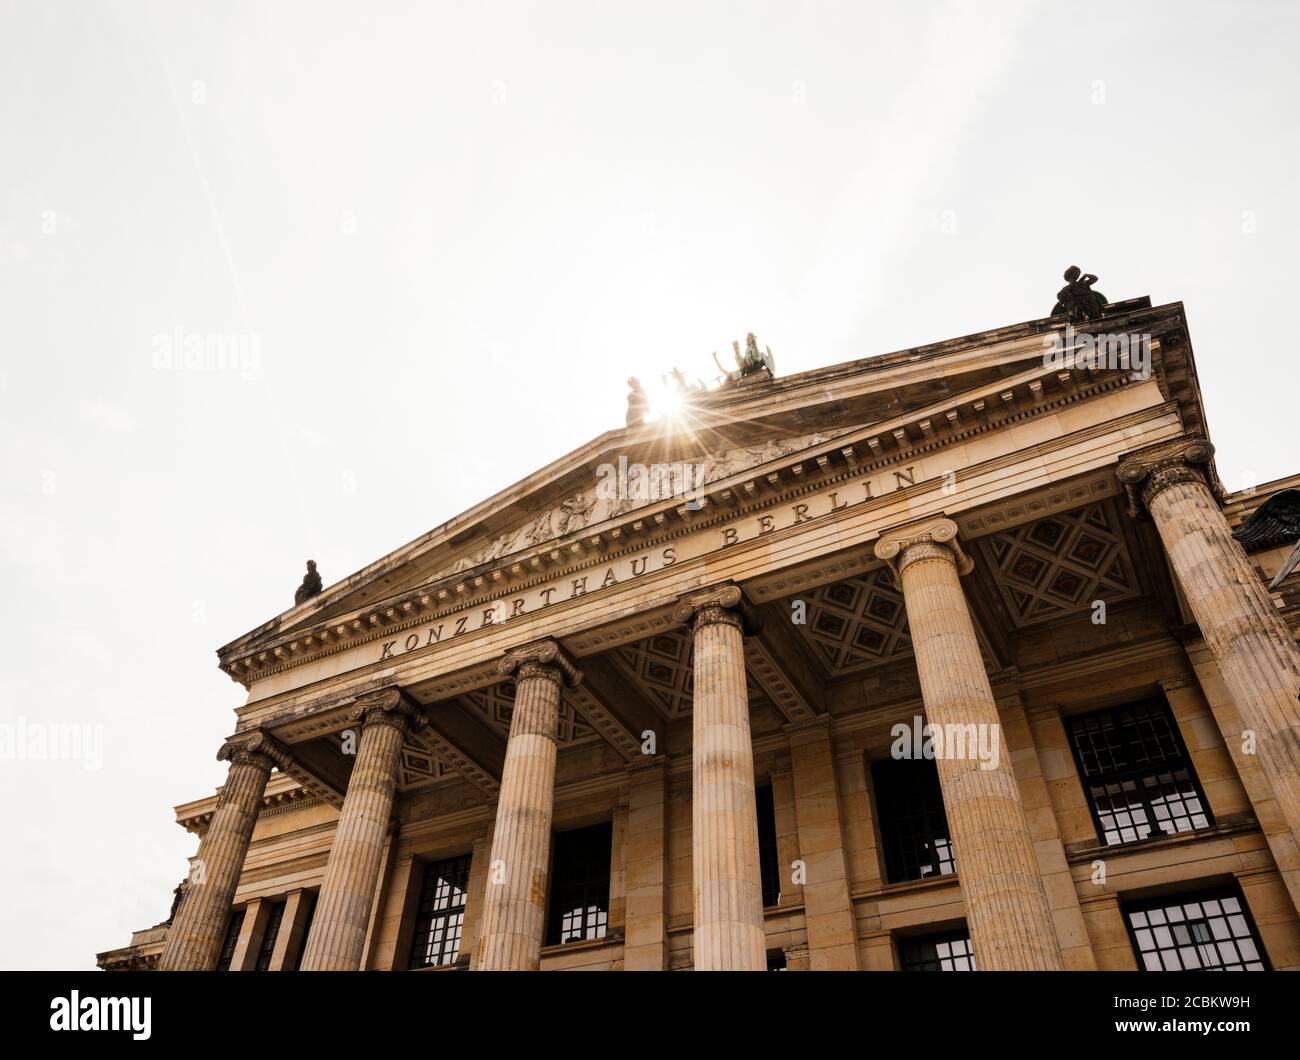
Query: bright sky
(454, 230)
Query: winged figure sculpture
(1275, 521)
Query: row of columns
(1008, 913)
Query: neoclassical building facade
(947, 658)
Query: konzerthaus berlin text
(960, 656)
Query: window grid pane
(441, 913)
(233, 928)
(949, 952)
(267, 949)
(580, 885)
(769, 862)
(1205, 932)
(1136, 774)
(307, 921)
(913, 826)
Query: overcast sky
(448, 234)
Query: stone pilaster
(1006, 909)
(514, 905)
(828, 908)
(199, 928)
(1251, 645)
(728, 929)
(645, 866)
(1044, 832)
(257, 914)
(338, 933)
(292, 925)
(475, 891)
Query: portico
(564, 731)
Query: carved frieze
(588, 507)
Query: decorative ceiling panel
(1061, 564)
(420, 765)
(661, 666)
(496, 704)
(856, 623)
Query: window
(580, 885)
(264, 952)
(776, 961)
(769, 864)
(1210, 931)
(1136, 773)
(949, 952)
(232, 938)
(310, 899)
(913, 827)
(441, 913)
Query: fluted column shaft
(514, 902)
(1007, 911)
(729, 932)
(337, 938)
(1252, 646)
(199, 927)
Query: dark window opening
(580, 885)
(233, 929)
(267, 948)
(1205, 932)
(310, 899)
(776, 961)
(913, 826)
(769, 863)
(947, 952)
(441, 914)
(1136, 773)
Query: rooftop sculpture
(1077, 299)
(311, 584)
(1274, 522)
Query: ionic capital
(934, 538)
(388, 706)
(255, 749)
(544, 659)
(718, 604)
(1149, 471)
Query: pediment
(748, 431)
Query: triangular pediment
(745, 430)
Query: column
(199, 927)
(729, 932)
(514, 906)
(1006, 909)
(336, 942)
(1255, 652)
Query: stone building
(940, 658)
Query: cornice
(195, 817)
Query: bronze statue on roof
(311, 584)
(1077, 299)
